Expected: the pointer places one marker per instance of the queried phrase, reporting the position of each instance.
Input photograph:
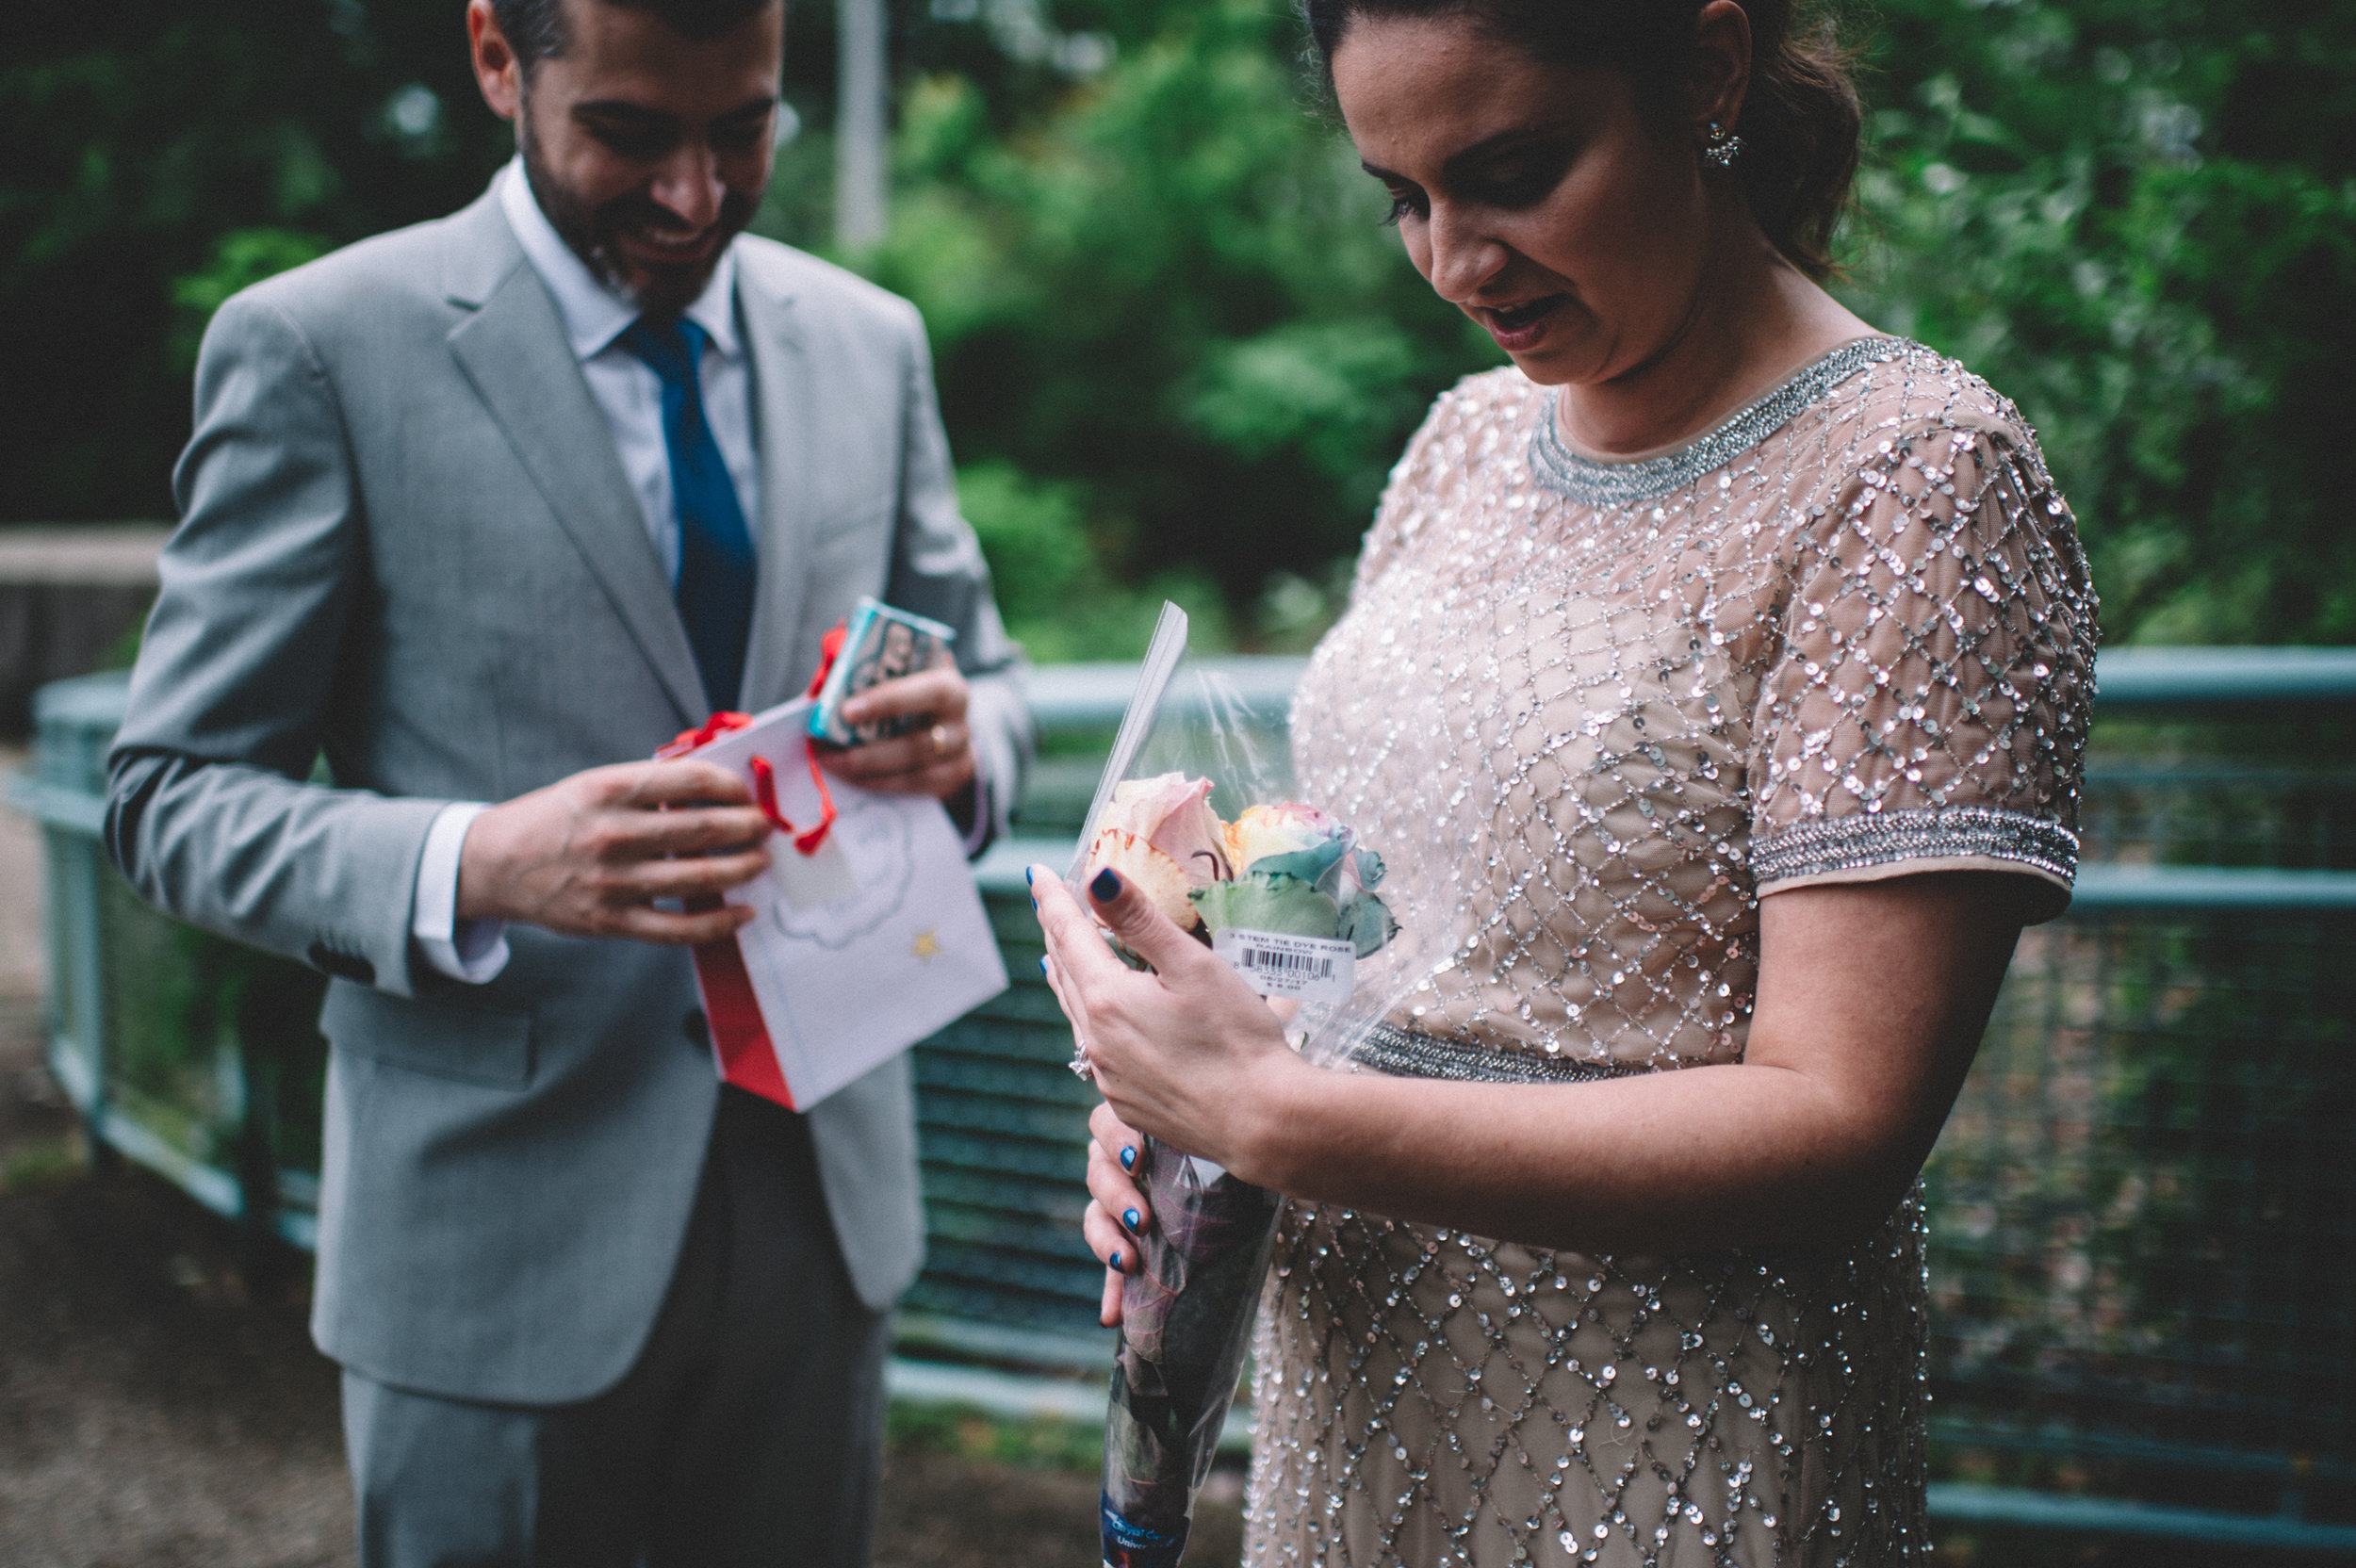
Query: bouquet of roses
(1286, 895)
(1280, 869)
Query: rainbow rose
(1172, 813)
(1307, 840)
(1298, 871)
(1281, 867)
(1162, 834)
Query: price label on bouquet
(1307, 968)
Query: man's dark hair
(536, 29)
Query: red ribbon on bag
(830, 649)
(710, 730)
(765, 775)
(740, 1036)
(807, 839)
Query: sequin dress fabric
(1846, 635)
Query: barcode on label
(1273, 963)
(1302, 963)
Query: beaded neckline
(1592, 481)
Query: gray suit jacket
(407, 541)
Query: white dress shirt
(628, 391)
(630, 394)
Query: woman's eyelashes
(1522, 178)
(1507, 181)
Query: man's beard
(660, 291)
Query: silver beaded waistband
(1404, 1053)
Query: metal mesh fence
(2268, 785)
(2201, 811)
(1002, 1131)
(2144, 1207)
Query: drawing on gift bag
(873, 842)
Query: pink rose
(1173, 813)
(1162, 834)
(1155, 873)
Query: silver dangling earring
(1724, 146)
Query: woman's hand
(1112, 1154)
(1188, 1052)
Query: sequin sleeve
(1928, 706)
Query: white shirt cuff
(473, 951)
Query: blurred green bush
(1177, 351)
(2138, 220)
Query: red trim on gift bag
(830, 649)
(740, 1038)
(748, 1056)
(765, 795)
(703, 734)
(765, 776)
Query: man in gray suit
(486, 511)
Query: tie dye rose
(1282, 866)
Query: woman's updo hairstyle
(1800, 118)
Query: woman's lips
(1521, 324)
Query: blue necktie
(715, 590)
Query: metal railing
(2143, 1209)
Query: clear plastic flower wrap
(1197, 806)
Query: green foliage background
(1177, 351)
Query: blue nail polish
(1129, 1159)
(1043, 963)
(1106, 887)
(1113, 1262)
(1131, 1219)
(1026, 879)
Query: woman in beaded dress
(1755, 649)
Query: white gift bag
(867, 935)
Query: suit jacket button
(349, 966)
(699, 1033)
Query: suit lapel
(513, 348)
(784, 395)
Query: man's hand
(589, 855)
(935, 759)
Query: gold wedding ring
(941, 739)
